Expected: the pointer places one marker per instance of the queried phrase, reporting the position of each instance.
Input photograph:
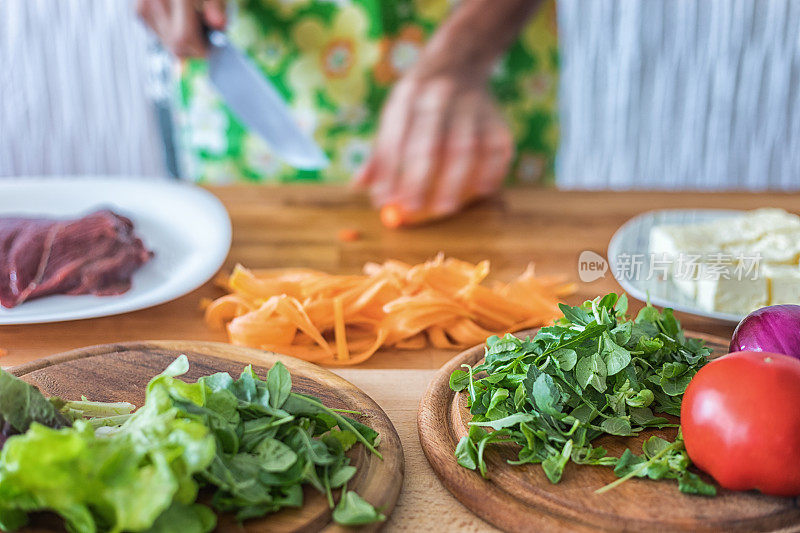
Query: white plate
(633, 238)
(186, 227)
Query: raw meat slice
(96, 254)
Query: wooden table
(298, 226)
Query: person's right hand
(179, 23)
(442, 143)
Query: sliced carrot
(348, 235)
(244, 282)
(439, 338)
(339, 330)
(291, 309)
(222, 310)
(417, 342)
(391, 216)
(343, 319)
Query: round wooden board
(120, 372)
(520, 498)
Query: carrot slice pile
(343, 320)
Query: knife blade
(259, 106)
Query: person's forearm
(475, 34)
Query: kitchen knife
(258, 105)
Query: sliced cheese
(772, 248)
(784, 283)
(670, 241)
(732, 295)
(766, 241)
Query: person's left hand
(441, 143)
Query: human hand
(441, 140)
(441, 143)
(179, 23)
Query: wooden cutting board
(120, 372)
(520, 498)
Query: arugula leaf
(654, 446)
(648, 315)
(621, 307)
(497, 404)
(643, 416)
(546, 396)
(643, 398)
(575, 315)
(627, 463)
(342, 475)
(592, 371)
(566, 358)
(275, 456)
(346, 438)
(675, 386)
(588, 455)
(622, 333)
(467, 453)
(617, 426)
(554, 465)
(506, 422)
(353, 510)
(459, 380)
(279, 385)
(615, 357)
(690, 483)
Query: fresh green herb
(353, 510)
(270, 441)
(21, 404)
(593, 372)
(254, 443)
(661, 459)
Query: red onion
(770, 329)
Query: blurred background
(652, 94)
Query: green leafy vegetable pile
(271, 440)
(253, 443)
(594, 372)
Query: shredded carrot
(339, 330)
(344, 319)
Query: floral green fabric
(335, 62)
